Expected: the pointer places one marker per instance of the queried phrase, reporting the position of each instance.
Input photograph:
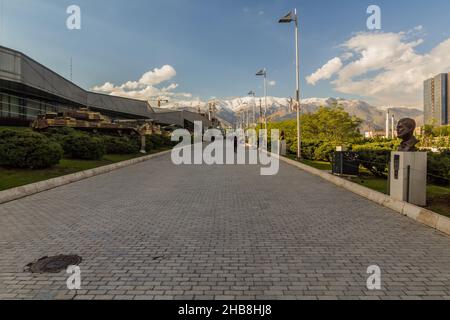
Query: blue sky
(216, 46)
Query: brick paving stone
(157, 231)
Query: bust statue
(405, 131)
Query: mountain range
(230, 111)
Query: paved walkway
(156, 231)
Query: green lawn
(371, 182)
(438, 197)
(11, 178)
(320, 165)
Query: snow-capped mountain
(231, 110)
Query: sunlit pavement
(157, 231)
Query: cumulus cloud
(325, 72)
(158, 76)
(146, 87)
(272, 83)
(107, 87)
(385, 67)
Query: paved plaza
(157, 231)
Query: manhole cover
(53, 264)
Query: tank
(86, 120)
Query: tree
(330, 124)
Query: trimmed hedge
(121, 145)
(439, 168)
(84, 147)
(28, 150)
(375, 156)
(159, 140)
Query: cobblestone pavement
(156, 231)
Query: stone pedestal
(143, 144)
(283, 148)
(408, 177)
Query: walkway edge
(421, 215)
(30, 189)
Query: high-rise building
(437, 99)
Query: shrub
(324, 152)
(159, 141)
(167, 141)
(309, 149)
(82, 146)
(439, 168)
(375, 156)
(121, 145)
(64, 131)
(148, 145)
(28, 150)
(377, 162)
(156, 140)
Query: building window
(32, 109)
(14, 110)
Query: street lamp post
(263, 73)
(253, 94)
(293, 17)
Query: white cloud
(173, 86)
(107, 87)
(145, 88)
(385, 67)
(158, 76)
(325, 72)
(272, 83)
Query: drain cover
(53, 264)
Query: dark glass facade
(17, 110)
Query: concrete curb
(28, 190)
(421, 215)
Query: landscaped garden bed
(328, 128)
(27, 157)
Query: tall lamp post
(263, 73)
(253, 94)
(293, 17)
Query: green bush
(375, 156)
(160, 141)
(149, 146)
(28, 150)
(156, 140)
(84, 147)
(439, 168)
(121, 145)
(63, 131)
(377, 162)
(324, 152)
(167, 141)
(309, 149)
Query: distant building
(374, 134)
(28, 89)
(437, 99)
